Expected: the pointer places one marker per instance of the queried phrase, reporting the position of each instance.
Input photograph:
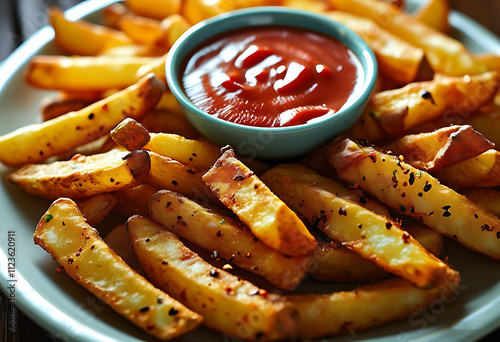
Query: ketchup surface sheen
(271, 76)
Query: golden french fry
(213, 231)
(76, 246)
(97, 207)
(434, 13)
(418, 194)
(321, 202)
(155, 9)
(480, 171)
(396, 58)
(269, 219)
(227, 303)
(35, 143)
(441, 148)
(157, 67)
(84, 73)
(141, 30)
(84, 176)
(83, 38)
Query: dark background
(19, 19)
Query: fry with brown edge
(84, 73)
(134, 201)
(84, 38)
(269, 219)
(76, 246)
(418, 194)
(84, 176)
(441, 148)
(37, 142)
(227, 303)
(213, 231)
(320, 201)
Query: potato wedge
(213, 231)
(480, 171)
(227, 303)
(83, 38)
(37, 142)
(140, 30)
(76, 246)
(320, 201)
(397, 111)
(97, 207)
(84, 176)
(84, 73)
(441, 148)
(368, 306)
(269, 219)
(396, 58)
(416, 193)
(487, 198)
(155, 9)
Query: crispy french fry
(227, 303)
(445, 54)
(84, 176)
(391, 113)
(367, 306)
(155, 9)
(97, 207)
(396, 58)
(214, 231)
(480, 171)
(263, 212)
(75, 245)
(170, 174)
(134, 201)
(83, 38)
(199, 154)
(441, 148)
(416, 193)
(35, 143)
(487, 198)
(130, 135)
(320, 201)
(84, 73)
(434, 13)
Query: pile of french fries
(211, 237)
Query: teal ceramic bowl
(270, 142)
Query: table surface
(19, 22)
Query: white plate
(70, 313)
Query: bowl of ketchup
(272, 82)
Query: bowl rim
(346, 36)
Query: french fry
(391, 113)
(162, 121)
(227, 303)
(214, 231)
(170, 174)
(84, 73)
(157, 67)
(487, 198)
(111, 14)
(84, 176)
(416, 193)
(83, 38)
(134, 201)
(117, 240)
(97, 207)
(441, 148)
(76, 246)
(318, 6)
(199, 154)
(480, 171)
(319, 200)
(434, 13)
(367, 306)
(155, 9)
(171, 28)
(396, 58)
(141, 30)
(130, 135)
(37, 142)
(55, 105)
(269, 219)
(445, 54)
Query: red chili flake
(150, 326)
(342, 211)
(61, 269)
(229, 290)
(263, 293)
(373, 156)
(70, 260)
(406, 237)
(353, 185)
(403, 194)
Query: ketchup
(271, 76)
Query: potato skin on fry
(84, 176)
(416, 193)
(37, 142)
(228, 303)
(269, 219)
(75, 245)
